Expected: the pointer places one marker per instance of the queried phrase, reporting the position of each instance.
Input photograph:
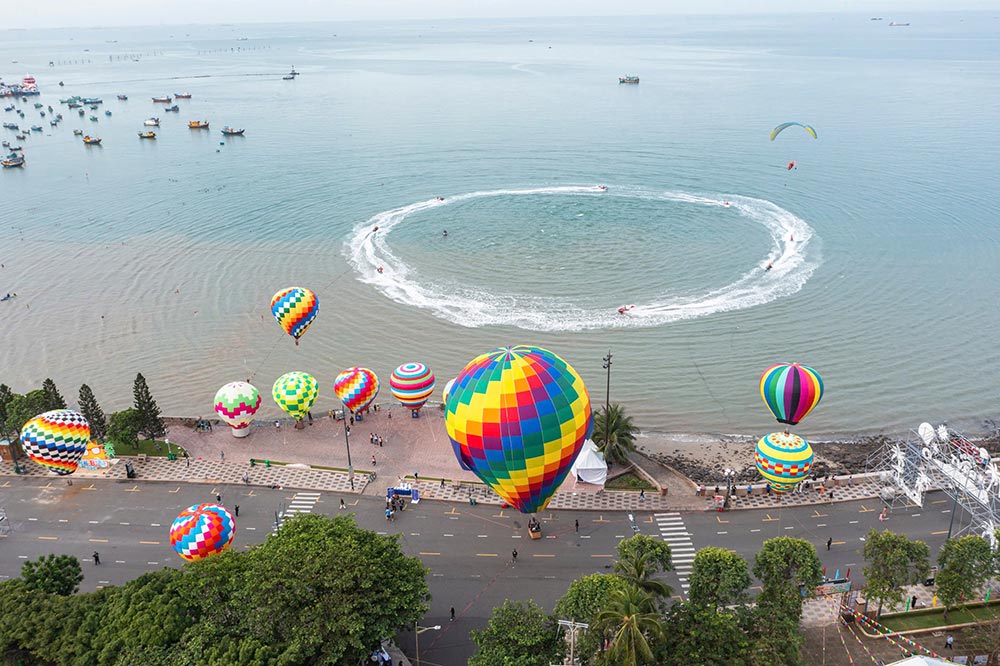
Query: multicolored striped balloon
(295, 392)
(295, 308)
(356, 388)
(518, 417)
(790, 391)
(412, 384)
(236, 403)
(201, 531)
(783, 459)
(56, 440)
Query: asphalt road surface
(467, 549)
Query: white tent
(589, 466)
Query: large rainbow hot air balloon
(295, 392)
(201, 531)
(295, 308)
(356, 388)
(790, 391)
(56, 440)
(783, 459)
(518, 417)
(236, 403)
(412, 384)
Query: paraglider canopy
(783, 126)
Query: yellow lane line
(150, 543)
(133, 489)
(423, 553)
(768, 519)
(175, 490)
(724, 522)
(602, 555)
(542, 555)
(49, 538)
(486, 555)
(90, 487)
(98, 540)
(941, 532)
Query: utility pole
(573, 626)
(607, 401)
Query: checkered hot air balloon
(518, 416)
(201, 531)
(295, 392)
(790, 391)
(295, 308)
(236, 403)
(356, 388)
(56, 440)
(412, 384)
(783, 459)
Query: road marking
(486, 555)
(250, 494)
(423, 553)
(854, 522)
(938, 533)
(252, 529)
(90, 487)
(126, 524)
(619, 536)
(94, 522)
(451, 535)
(723, 532)
(914, 515)
(721, 521)
(97, 540)
(769, 518)
(790, 527)
(150, 543)
(602, 556)
(757, 530)
(175, 490)
(551, 516)
(47, 485)
(757, 587)
(838, 543)
(452, 512)
(104, 582)
(453, 517)
(675, 534)
(414, 533)
(865, 509)
(542, 555)
(119, 561)
(6, 484)
(946, 511)
(551, 577)
(437, 575)
(154, 524)
(482, 536)
(133, 489)
(600, 519)
(499, 515)
(817, 514)
(820, 524)
(939, 501)
(32, 520)
(152, 562)
(584, 536)
(47, 538)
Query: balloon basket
(241, 432)
(300, 425)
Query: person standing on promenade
(373, 460)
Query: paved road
(467, 549)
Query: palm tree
(631, 618)
(639, 572)
(614, 433)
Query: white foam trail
(793, 262)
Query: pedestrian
(642, 494)
(381, 442)
(222, 456)
(829, 542)
(442, 482)
(309, 415)
(218, 498)
(513, 556)
(717, 490)
(821, 489)
(452, 613)
(246, 477)
(749, 490)
(850, 481)
(767, 488)
(577, 522)
(949, 642)
(342, 505)
(388, 512)
(389, 414)
(392, 516)
(187, 460)
(373, 460)
(831, 495)
(913, 602)
(416, 477)
(97, 558)
(236, 510)
(371, 436)
(698, 491)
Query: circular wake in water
(791, 259)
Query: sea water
(161, 256)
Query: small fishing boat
(77, 132)
(42, 113)
(230, 131)
(36, 128)
(122, 98)
(58, 116)
(108, 112)
(198, 124)
(80, 111)
(10, 126)
(173, 108)
(38, 105)
(92, 140)
(93, 107)
(288, 77)
(54, 123)
(21, 137)
(92, 100)
(163, 100)
(186, 95)
(629, 78)
(13, 161)
(147, 135)
(74, 105)
(15, 148)
(8, 108)
(93, 119)
(293, 72)
(151, 122)
(5, 144)
(50, 109)
(74, 98)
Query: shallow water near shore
(162, 256)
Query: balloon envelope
(412, 384)
(790, 391)
(783, 459)
(518, 416)
(56, 440)
(295, 308)
(356, 387)
(236, 403)
(295, 392)
(201, 531)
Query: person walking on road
(97, 559)
(513, 556)
(373, 460)
(949, 642)
(577, 523)
(452, 613)
(342, 505)
(218, 498)
(829, 542)
(236, 510)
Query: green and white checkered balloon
(296, 392)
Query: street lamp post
(347, 440)
(417, 630)
(572, 626)
(607, 400)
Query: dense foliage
(92, 411)
(518, 634)
(614, 433)
(55, 574)
(893, 562)
(320, 591)
(150, 421)
(964, 565)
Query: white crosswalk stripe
(301, 503)
(675, 533)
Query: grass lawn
(150, 448)
(630, 481)
(928, 619)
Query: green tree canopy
(6, 395)
(642, 544)
(150, 421)
(93, 413)
(964, 565)
(518, 634)
(584, 599)
(23, 408)
(124, 428)
(698, 634)
(53, 398)
(719, 578)
(55, 574)
(614, 433)
(631, 622)
(893, 562)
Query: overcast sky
(57, 13)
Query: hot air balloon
(783, 459)
(518, 417)
(295, 308)
(412, 384)
(236, 403)
(202, 530)
(447, 390)
(790, 391)
(356, 388)
(295, 392)
(56, 440)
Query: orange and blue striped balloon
(56, 440)
(790, 391)
(295, 308)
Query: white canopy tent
(589, 466)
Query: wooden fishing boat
(198, 124)
(164, 100)
(147, 135)
(229, 131)
(92, 140)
